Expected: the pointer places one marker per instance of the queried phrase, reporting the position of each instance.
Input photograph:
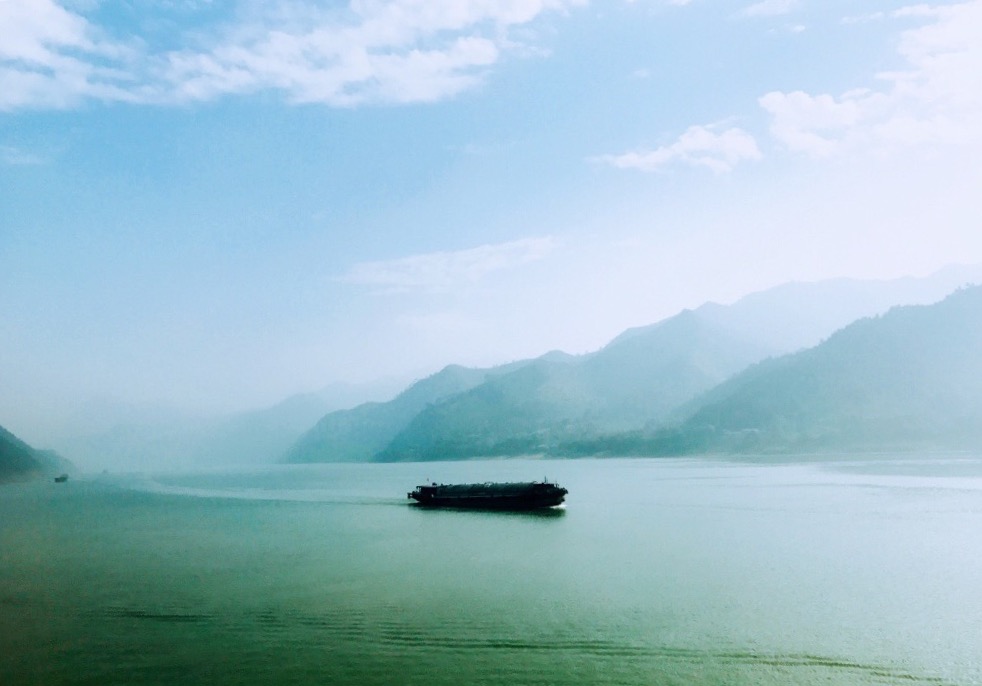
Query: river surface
(833, 571)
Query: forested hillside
(909, 379)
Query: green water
(656, 572)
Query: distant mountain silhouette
(910, 379)
(616, 399)
(19, 461)
(358, 434)
(123, 436)
(798, 315)
(638, 378)
(555, 404)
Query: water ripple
(394, 636)
(155, 615)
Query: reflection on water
(539, 513)
(653, 572)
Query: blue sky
(213, 205)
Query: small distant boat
(491, 496)
(61, 478)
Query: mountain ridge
(357, 434)
(21, 462)
(908, 377)
(565, 405)
(627, 383)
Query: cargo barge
(490, 496)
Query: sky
(212, 205)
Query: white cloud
(441, 271)
(50, 57)
(699, 146)
(936, 100)
(770, 8)
(404, 51)
(368, 51)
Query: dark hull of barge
(490, 496)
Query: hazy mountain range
(636, 379)
(717, 378)
(910, 379)
(120, 436)
(665, 388)
(359, 434)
